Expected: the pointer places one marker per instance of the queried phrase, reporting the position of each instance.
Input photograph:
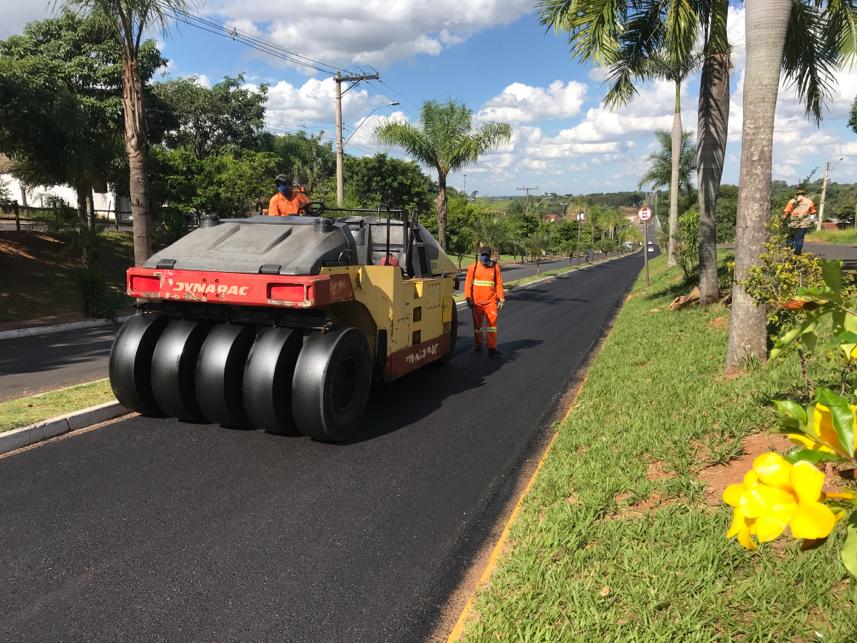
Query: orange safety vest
(483, 284)
(283, 207)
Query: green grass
(843, 237)
(26, 410)
(584, 564)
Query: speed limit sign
(645, 213)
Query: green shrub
(687, 243)
(97, 298)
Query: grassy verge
(26, 410)
(841, 237)
(617, 539)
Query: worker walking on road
(483, 290)
(287, 201)
(798, 216)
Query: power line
(254, 42)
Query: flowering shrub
(791, 491)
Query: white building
(35, 196)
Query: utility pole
(825, 181)
(823, 195)
(354, 80)
(526, 190)
(465, 186)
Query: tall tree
(209, 118)
(61, 102)
(808, 41)
(130, 19)
(712, 130)
(445, 141)
(662, 171)
(767, 23)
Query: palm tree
(712, 129)
(808, 40)
(130, 19)
(445, 142)
(662, 171)
(637, 41)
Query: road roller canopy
(303, 246)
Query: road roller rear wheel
(220, 374)
(267, 386)
(131, 363)
(174, 369)
(331, 384)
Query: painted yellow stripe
(458, 630)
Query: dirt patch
(44, 289)
(718, 477)
(658, 470)
(719, 323)
(638, 509)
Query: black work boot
(477, 348)
(493, 352)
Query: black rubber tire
(131, 363)
(220, 374)
(174, 369)
(267, 387)
(331, 384)
(453, 336)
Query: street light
(365, 118)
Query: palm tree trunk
(82, 224)
(767, 21)
(674, 172)
(441, 209)
(136, 146)
(713, 125)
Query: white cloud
(371, 32)
(520, 103)
(312, 105)
(17, 13)
(202, 80)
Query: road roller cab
(282, 323)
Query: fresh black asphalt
(44, 362)
(153, 529)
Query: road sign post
(645, 214)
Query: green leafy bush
(687, 243)
(96, 297)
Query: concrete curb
(51, 428)
(15, 333)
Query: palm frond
(412, 139)
(811, 56)
(843, 15)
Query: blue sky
(494, 56)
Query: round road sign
(645, 213)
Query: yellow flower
(825, 433)
(774, 495)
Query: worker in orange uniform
(483, 290)
(798, 216)
(287, 201)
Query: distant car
(651, 248)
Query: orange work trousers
(485, 312)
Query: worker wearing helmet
(483, 290)
(287, 201)
(798, 216)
